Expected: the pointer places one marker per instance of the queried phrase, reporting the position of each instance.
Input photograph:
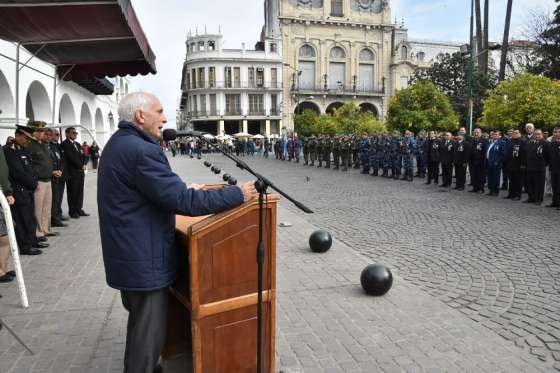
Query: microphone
(171, 134)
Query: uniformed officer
(515, 165)
(373, 148)
(297, 148)
(446, 159)
(312, 150)
(365, 147)
(421, 162)
(327, 150)
(407, 151)
(305, 148)
(537, 158)
(477, 161)
(345, 152)
(396, 156)
(320, 150)
(57, 180)
(387, 159)
(554, 167)
(24, 182)
(432, 152)
(336, 152)
(356, 158)
(461, 155)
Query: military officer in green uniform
(305, 149)
(327, 150)
(312, 150)
(320, 147)
(336, 152)
(346, 152)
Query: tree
(421, 106)
(327, 125)
(505, 43)
(450, 77)
(347, 118)
(369, 124)
(526, 98)
(306, 123)
(548, 49)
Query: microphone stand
(261, 185)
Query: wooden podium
(213, 304)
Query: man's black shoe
(552, 205)
(83, 213)
(59, 224)
(41, 239)
(428, 182)
(11, 273)
(74, 216)
(6, 278)
(508, 197)
(52, 234)
(473, 191)
(538, 203)
(528, 201)
(516, 199)
(40, 245)
(30, 252)
(158, 369)
(64, 218)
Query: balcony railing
(233, 85)
(256, 113)
(340, 88)
(233, 112)
(203, 113)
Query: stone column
(221, 128)
(267, 128)
(245, 126)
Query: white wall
(73, 103)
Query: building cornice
(333, 22)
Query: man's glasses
(73, 133)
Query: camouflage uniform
(345, 153)
(365, 148)
(396, 157)
(336, 152)
(408, 148)
(305, 148)
(320, 148)
(421, 156)
(327, 149)
(312, 150)
(387, 159)
(355, 152)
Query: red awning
(84, 39)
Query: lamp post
(470, 74)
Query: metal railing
(233, 85)
(340, 88)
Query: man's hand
(11, 200)
(196, 186)
(57, 173)
(249, 191)
(84, 167)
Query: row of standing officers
(518, 162)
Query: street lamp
(470, 75)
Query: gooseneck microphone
(171, 134)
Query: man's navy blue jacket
(138, 197)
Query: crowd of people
(35, 169)
(513, 161)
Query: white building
(74, 104)
(226, 91)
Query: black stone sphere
(376, 279)
(320, 241)
(207, 164)
(217, 170)
(225, 177)
(232, 181)
(213, 168)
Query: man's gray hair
(529, 125)
(131, 103)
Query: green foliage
(306, 123)
(526, 98)
(450, 77)
(348, 120)
(326, 125)
(421, 107)
(547, 61)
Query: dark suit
(461, 155)
(432, 152)
(477, 163)
(446, 159)
(74, 161)
(537, 158)
(495, 157)
(515, 165)
(57, 157)
(554, 165)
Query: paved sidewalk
(325, 322)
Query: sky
(167, 22)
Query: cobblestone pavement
(495, 261)
(325, 322)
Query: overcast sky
(166, 23)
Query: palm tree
(503, 60)
(479, 31)
(485, 45)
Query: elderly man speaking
(138, 197)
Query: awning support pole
(55, 85)
(17, 83)
(33, 56)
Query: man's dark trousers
(515, 183)
(555, 182)
(57, 194)
(75, 187)
(146, 328)
(494, 175)
(478, 176)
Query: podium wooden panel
(213, 307)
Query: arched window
(307, 67)
(404, 53)
(367, 71)
(420, 56)
(337, 69)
